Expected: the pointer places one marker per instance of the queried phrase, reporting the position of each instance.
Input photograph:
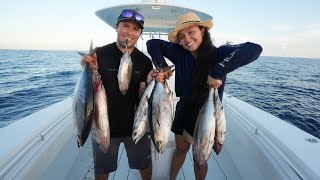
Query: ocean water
(288, 88)
(31, 80)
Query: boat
(258, 145)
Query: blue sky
(283, 28)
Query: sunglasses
(131, 15)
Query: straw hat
(187, 20)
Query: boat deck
(83, 166)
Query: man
(121, 107)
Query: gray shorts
(139, 155)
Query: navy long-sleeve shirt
(229, 58)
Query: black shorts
(185, 117)
(139, 155)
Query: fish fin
(155, 64)
(216, 97)
(91, 45)
(166, 68)
(217, 147)
(160, 66)
(188, 137)
(78, 143)
(81, 53)
(91, 50)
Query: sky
(286, 28)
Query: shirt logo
(228, 58)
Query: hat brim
(172, 36)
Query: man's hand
(91, 60)
(159, 75)
(152, 74)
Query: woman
(198, 65)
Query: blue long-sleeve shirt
(229, 58)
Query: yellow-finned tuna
(160, 115)
(141, 123)
(125, 71)
(204, 132)
(221, 124)
(100, 130)
(209, 131)
(83, 105)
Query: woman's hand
(167, 74)
(159, 75)
(91, 60)
(162, 75)
(214, 83)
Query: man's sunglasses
(130, 14)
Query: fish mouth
(125, 42)
(198, 158)
(199, 165)
(160, 146)
(127, 39)
(136, 139)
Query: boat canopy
(159, 17)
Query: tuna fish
(141, 124)
(209, 131)
(83, 104)
(160, 115)
(125, 71)
(221, 126)
(204, 132)
(100, 130)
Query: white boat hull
(258, 146)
